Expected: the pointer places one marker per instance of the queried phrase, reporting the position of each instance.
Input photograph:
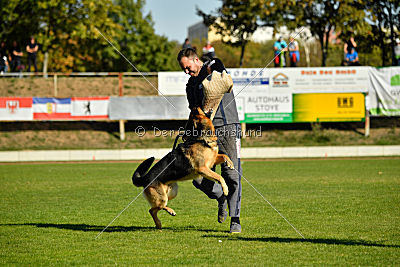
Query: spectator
(3, 58)
(208, 51)
(186, 44)
(280, 47)
(397, 51)
(16, 55)
(352, 58)
(32, 49)
(349, 45)
(294, 53)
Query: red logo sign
(12, 105)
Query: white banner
(293, 80)
(172, 83)
(384, 92)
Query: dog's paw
(229, 163)
(170, 211)
(224, 188)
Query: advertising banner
(384, 92)
(295, 80)
(328, 107)
(149, 108)
(272, 107)
(86, 108)
(172, 83)
(16, 108)
(51, 108)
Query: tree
(235, 21)
(384, 17)
(68, 32)
(326, 16)
(138, 41)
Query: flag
(89, 107)
(16, 108)
(51, 108)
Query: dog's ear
(195, 121)
(200, 111)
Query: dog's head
(199, 123)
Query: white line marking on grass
(280, 214)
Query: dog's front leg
(222, 158)
(213, 176)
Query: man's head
(189, 61)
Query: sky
(173, 17)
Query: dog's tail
(141, 171)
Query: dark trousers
(15, 64)
(229, 144)
(32, 60)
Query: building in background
(262, 34)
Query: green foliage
(71, 32)
(235, 22)
(347, 211)
(138, 41)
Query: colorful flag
(16, 108)
(51, 108)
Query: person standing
(16, 55)
(294, 53)
(208, 51)
(397, 51)
(228, 131)
(280, 47)
(186, 44)
(349, 45)
(32, 49)
(3, 58)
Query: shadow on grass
(327, 241)
(110, 229)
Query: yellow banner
(328, 107)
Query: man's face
(191, 65)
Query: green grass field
(348, 211)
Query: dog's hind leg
(172, 191)
(153, 212)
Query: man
(397, 51)
(16, 55)
(208, 51)
(280, 47)
(228, 131)
(32, 49)
(294, 53)
(3, 58)
(349, 45)
(186, 44)
(352, 58)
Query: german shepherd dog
(190, 160)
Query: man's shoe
(222, 206)
(236, 228)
